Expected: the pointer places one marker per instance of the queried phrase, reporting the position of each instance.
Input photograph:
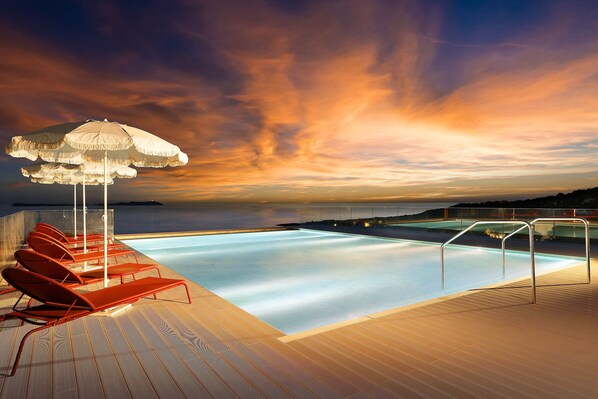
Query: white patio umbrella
(61, 173)
(68, 174)
(93, 141)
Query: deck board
(158, 376)
(197, 341)
(343, 370)
(40, 383)
(233, 353)
(175, 367)
(488, 344)
(89, 383)
(138, 382)
(16, 386)
(315, 385)
(213, 384)
(63, 370)
(282, 380)
(477, 384)
(113, 380)
(11, 335)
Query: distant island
(577, 199)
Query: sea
(213, 216)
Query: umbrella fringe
(99, 146)
(22, 143)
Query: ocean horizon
(213, 216)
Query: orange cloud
(333, 103)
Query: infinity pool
(300, 280)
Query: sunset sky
(315, 100)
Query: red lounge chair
(46, 266)
(79, 249)
(52, 248)
(60, 304)
(59, 235)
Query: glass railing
(15, 227)
(64, 220)
(12, 236)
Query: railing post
(442, 267)
(504, 260)
(587, 229)
(533, 260)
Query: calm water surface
(298, 280)
(210, 216)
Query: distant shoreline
(579, 199)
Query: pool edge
(374, 316)
(136, 236)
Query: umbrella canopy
(93, 181)
(93, 141)
(83, 142)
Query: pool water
(300, 280)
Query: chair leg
(21, 346)
(187, 289)
(155, 297)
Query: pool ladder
(530, 227)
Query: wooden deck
(490, 344)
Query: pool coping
(189, 233)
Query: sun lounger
(54, 269)
(52, 248)
(76, 248)
(61, 304)
(59, 235)
(63, 238)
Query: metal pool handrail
(531, 247)
(533, 222)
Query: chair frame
(61, 304)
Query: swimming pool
(303, 279)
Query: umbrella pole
(118, 308)
(105, 218)
(84, 224)
(75, 210)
